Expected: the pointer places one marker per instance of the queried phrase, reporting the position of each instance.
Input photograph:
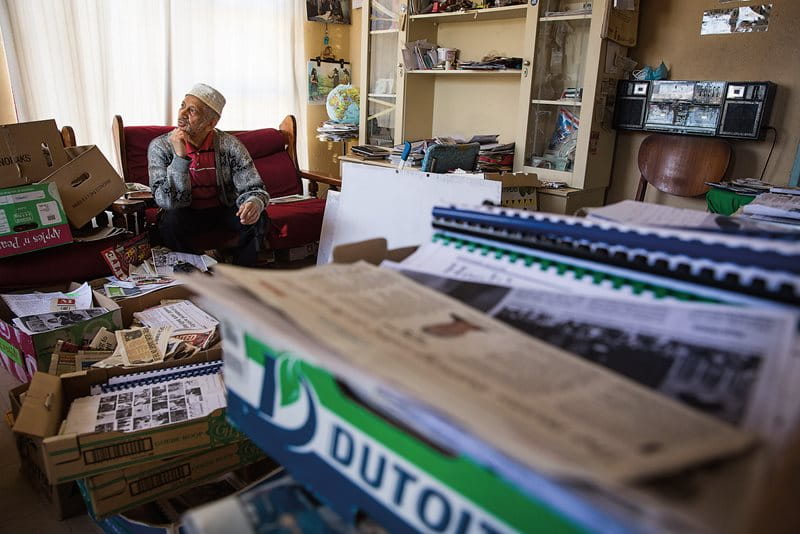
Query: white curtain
(84, 61)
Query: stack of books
(371, 152)
(495, 157)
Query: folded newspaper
(533, 402)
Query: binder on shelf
(763, 268)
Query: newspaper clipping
(532, 401)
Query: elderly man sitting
(204, 178)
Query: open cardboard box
(165, 514)
(64, 500)
(130, 305)
(32, 152)
(518, 189)
(29, 152)
(88, 184)
(72, 456)
(23, 354)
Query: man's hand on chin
(179, 138)
(249, 212)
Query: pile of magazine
(337, 131)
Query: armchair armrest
(316, 179)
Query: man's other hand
(248, 212)
(178, 138)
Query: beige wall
(8, 112)
(670, 30)
(323, 156)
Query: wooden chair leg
(641, 189)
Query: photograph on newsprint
(146, 404)
(731, 362)
(35, 324)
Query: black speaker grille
(740, 119)
(630, 112)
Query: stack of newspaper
(543, 369)
(173, 331)
(42, 312)
(336, 131)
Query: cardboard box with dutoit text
(31, 218)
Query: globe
(342, 104)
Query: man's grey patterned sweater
(237, 178)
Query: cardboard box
(518, 189)
(29, 152)
(132, 486)
(23, 354)
(64, 500)
(72, 456)
(88, 184)
(33, 152)
(128, 306)
(31, 218)
(164, 516)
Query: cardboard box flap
(29, 151)
(372, 251)
(88, 184)
(40, 415)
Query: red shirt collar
(204, 146)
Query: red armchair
(274, 153)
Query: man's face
(194, 117)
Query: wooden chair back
(680, 165)
(68, 137)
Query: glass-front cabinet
(383, 20)
(553, 99)
(568, 91)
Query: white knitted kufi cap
(209, 96)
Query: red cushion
(76, 262)
(295, 224)
(267, 147)
(137, 139)
(279, 175)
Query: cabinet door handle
(527, 62)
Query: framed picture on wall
(323, 76)
(330, 11)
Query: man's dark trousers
(180, 227)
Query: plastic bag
(566, 131)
